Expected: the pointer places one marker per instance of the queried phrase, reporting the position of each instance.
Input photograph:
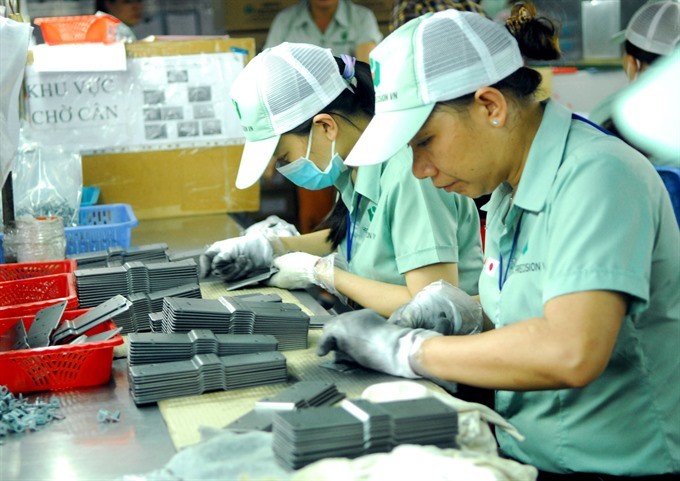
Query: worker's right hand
(441, 307)
(237, 258)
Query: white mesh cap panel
(655, 27)
(461, 52)
(299, 82)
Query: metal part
(45, 321)
(90, 319)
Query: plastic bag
(47, 181)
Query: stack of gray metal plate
(156, 321)
(87, 260)
(165, 275)
(301, 395)
(99, 284)
(377, 424)
(148, 254)
(137, 277)
(149, 348)
(204, 373)
(285, 321)
(307, 435)
(116, 256)
(423, 421)
(360, 427)
(183, 315)
(137, 318)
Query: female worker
(582, 273)
(305, 108)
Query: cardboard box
(172, 183)
(243, 15)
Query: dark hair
(100, 6)
(537, 38)
(362, 102)
(405, 11)
(642, 55)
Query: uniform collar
(367, 184)
(543, 161)
(341, 14)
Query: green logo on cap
(375, 72)
(238, 111)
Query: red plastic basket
(78, 29)
(27, 270)
(27, 296)
(58, 367)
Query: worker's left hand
(368, 339)
(273, 226)
(296, 270)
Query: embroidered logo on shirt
(371, 213)
(490, 266)
(375, 72)
(238, 111)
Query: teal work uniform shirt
(591, 213)
(352, 25)
(398, 223)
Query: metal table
(81, 448)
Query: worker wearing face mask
(394, 234)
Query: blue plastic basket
(99, 227)
(90, 196)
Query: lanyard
(351, 227)
(502, 278)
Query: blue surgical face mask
(304, 173)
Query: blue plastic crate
(99, 227)
(90, 196)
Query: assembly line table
(80, 448)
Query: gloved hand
(369, 340)
(441, 307)
(272, 226)
(299, 270)
(296, 270)
(237, 258)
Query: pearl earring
(495, 122)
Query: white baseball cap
(278, 90)
(654, 28)
(432, 58)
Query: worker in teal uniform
(305, 108)
(340, 25)
(581, 281)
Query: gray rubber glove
(441, 307)
(237, 258)
(366, 337)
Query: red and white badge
(491, 266)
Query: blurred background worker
(340, 25)
(345, 28)
(129, 12)
(652, 33)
